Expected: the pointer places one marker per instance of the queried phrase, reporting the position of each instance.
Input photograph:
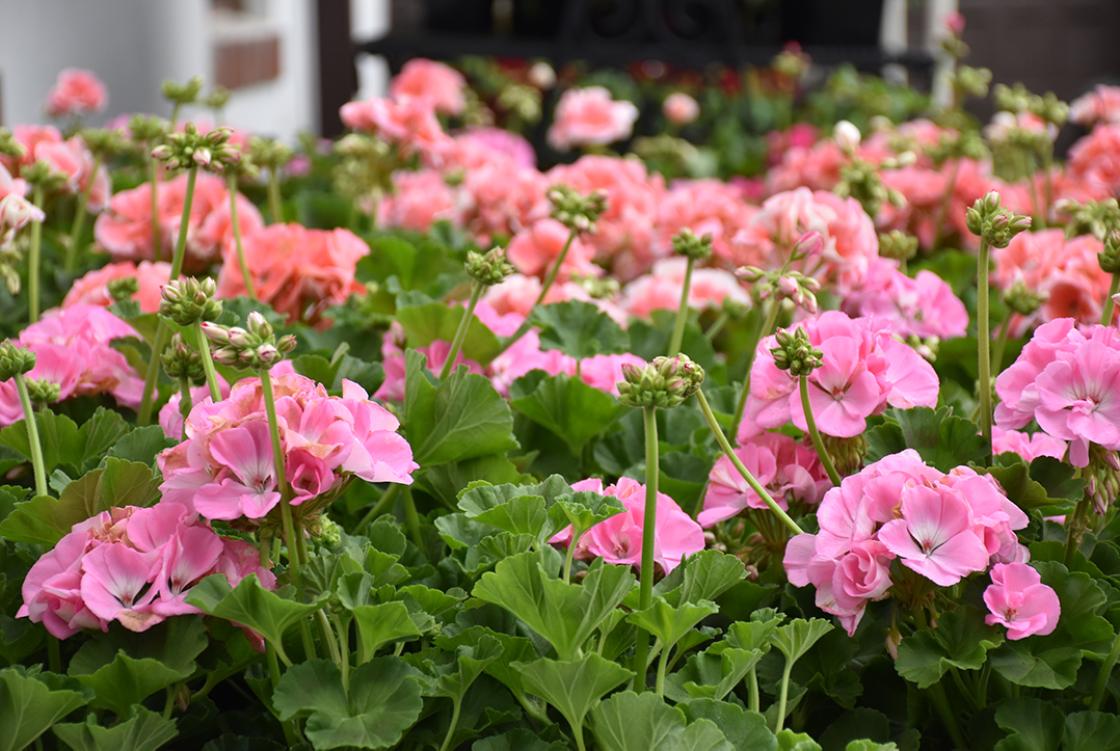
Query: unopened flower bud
(43, 392)
(663, 383)
(181, 360)
(898, 245)
(795, 353)
(1021, 299)
(488, 268)
(16, 212)
(9, 146)
(686, 243)
(574, 210)
(182, 93)
(15, 360)
(1109, 257)
(216, 333)
(123, 288)
(809, 245)
(187, 301)
(846, 135)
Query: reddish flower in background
(76, 92)
(438, 84)
(590, 117)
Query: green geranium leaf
(141, 445)
(58, 435)
(798, 636)
(866, 745)
(32, 702)
(579, 329)
(961, 640)
(413, 266)
(382, 700)
(703, 576)
(791, 741)
(573, 410)
(584, 509)
(747, 729)
(517, 740)
(1091, 731)
(381, 624)
(564, 614)
(636, 722)
(572, 686)
(438, 321)
(943, 439)
(250, 605)
(460, 418)
(1032, 724)
(44, 520)
(142, 730)
(668, 623)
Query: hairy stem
(983, 340)
(1109, 304)
(34, 260)
(203, 346)
(549, 280)
(764, 331)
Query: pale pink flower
(1079, 399)
(300, 272)
(11, 186)
(93, 288)
(680, 108)
(419, 200)
(534, 251)
(661, 289)
(1029, 446)
(440, 85)
(590, 117)
(923, 305)
(245, 478)
(408, 122)
(1094, 162)
(394, 363)
(707, 207)
(16, 212)
(935, 536)
(76, 92)
(1102, 104)
(503, 142)
(619, 538)
(1018, 600)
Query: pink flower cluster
(1101, 105)
(93, 288)
(619, 539)
(131, 565)
(125, 230)
(707, 207)
(300, 272)
(224, 469)
(67, 157)
(1064, 271)
(922, 305)
(73, 348)
(789, 470)
(864, 369)
(590, 117)
(439, 85)
(1019, 601)
(943, 526)
(660, 289)
(1067, 379)
(1094, 162)
(76, 92)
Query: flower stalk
(694, 249)
(36, 447)
(76, 228)
(814, 433)
(34, 258)
(235, 227)
(649, 526)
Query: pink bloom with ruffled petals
(1019, 601)
(76, 92)
(589, 116)
(935, 537)
(93, 288)
(440, 85)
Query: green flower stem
(235, 226)
(456, 707)
(343, 647)
(1101, 684)
(549, 280)
(54, 654)
(764, 331)
(745, 473)
(157, 233)
(412, 520)
(569, 557)
(328, 637)
(461, 331)
(185, 402)
(752, 690)
(662, 667)
(649, 526)
(163, 334)
(941, 704)
(274, 205)
(1001, 342)
(40, 468)
(34, 260)
(207, 363)
(717, 325)
(1047, 180)
(783, 697)
(384, 502)
(682, 310)
(175, 109)
(1109, 305)
(80, 218)
(814, 434)
(983, 339)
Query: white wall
(134, 45)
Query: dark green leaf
(31, 703)
(142, 730)
(566, 406)
(579, 329)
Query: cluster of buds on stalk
(598, 287)
(897, 245)
(42, 175)
(147, 130)
(105, 143)
(927, 347)
(190, 148)
(254, 347)
(1102, 478)
(968, 81)
(863, 181)
(182, 94)
(666, 149)
(488, 268)
(365, 168)
(1047, 107)
(43, 392)
(786, 284)
(1096, 218)
(521, 101)
(16, 212)
(664, 382)
(576, 211)
(687, 243)
(994, 224)
(187, 301)
(9, 146)
(123, 288)
(15, 360)
(964, 144)
(952, 44)
(270, 154)
(1109, 257)
(1021, 299)
(218, 98)
(180, 360)
(795, 353)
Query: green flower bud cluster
(964, 144)
(898, 245)
(187, 301)
(1096, 218)
(574, 210)
(1102, 478)
(599, 288)
(42, 175)
(104, 142)
(927, 347)
(147, 129)
(794, 286)
(365, 167)
(796, 353)
(42, 392)
(522, 101)
(1021, 299)
(1109, 258)
(971, 82)
(1018, 98)
(182, 93)
(686, 243)
(15, 360)
(488, 268)
(863, 181)
(181, 360)
(996, 225)
(123, 288)
(211, 151)
(9, 146)
(254, 347)
(269, 153)
(665, 382)
(217, 98)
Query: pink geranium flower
(923, 305)
(589, 116)
(419, 200)
(93, 288)
(1102, 104)
(76, 92)
(680, 109)
(935, 537)
(1018, 600)
(440, 85)
(619, 538)
(408, 122)
(1029, 446)
(534, 250)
